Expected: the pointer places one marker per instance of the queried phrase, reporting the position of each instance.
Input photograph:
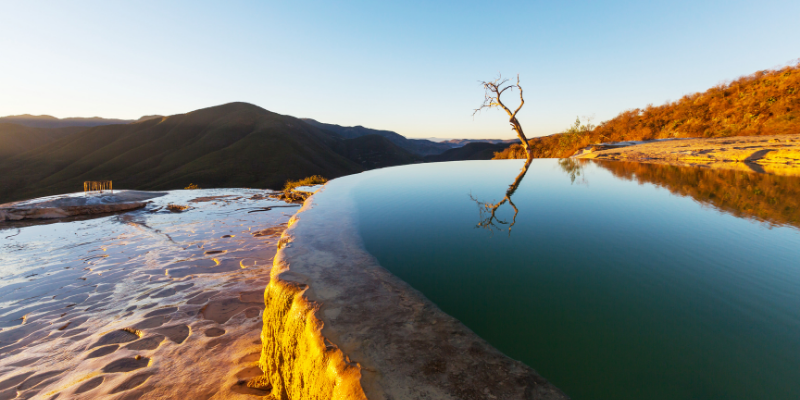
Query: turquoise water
(616, 280)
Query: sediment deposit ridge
(76, 204)
(779, 155)
(338, 325)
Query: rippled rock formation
(146, 304)
(778, 155)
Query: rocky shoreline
(778, 155)
(338, 325)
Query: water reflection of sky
(627, 282)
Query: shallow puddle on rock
(102, 306)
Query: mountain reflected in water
(771, 199)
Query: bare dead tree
(492, 92)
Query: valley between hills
(231, 145)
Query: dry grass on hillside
(764, 103)
(308, 181)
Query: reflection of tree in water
(773, 199)
(487, 211)
(573, 167)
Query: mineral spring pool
(613, 280)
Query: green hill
(232, 145)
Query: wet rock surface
(779, 155)
(76, 204)
(89, 308)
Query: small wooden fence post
(97, 186)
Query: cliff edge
(337, 325)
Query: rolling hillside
(17, 139)
(764, 103)
(232, 145)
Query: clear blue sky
(410, 66)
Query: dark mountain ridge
(375, 151)
(422, 147)
(464, 142)
(232, 145)
(470, 151)
(50, 122)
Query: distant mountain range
(470, 151)
(462, 142)
(421, 147)
(47, 121)
(232, 145)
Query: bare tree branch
(521, 100)
(492, 92)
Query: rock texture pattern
(779, 155)
(75, 204)
(148, 304)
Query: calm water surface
(616, 280)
